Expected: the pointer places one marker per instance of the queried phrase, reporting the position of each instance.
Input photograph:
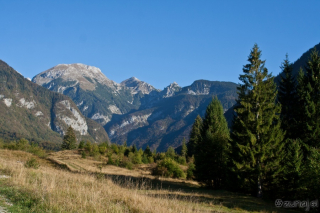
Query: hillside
(33, 112)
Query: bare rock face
(73, 119)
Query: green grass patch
(22, 199)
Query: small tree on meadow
(69, 140)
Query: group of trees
(273, 145)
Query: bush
(38, 151)
(145, 159)
(190, 170)
(95, 150)
(81, 145)
(115, 148)
(32, 163)
(88, 146)
(182, 160)
(170, 153)
(102, 149)
(168, 168)
(83, 154)
(23, 144)
(159, 156)
(150, 159)
(110, 160)
(137, 159)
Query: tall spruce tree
(257, 134)
(212, 150)
(287, 96)
(195, 136)
(309, 94)
(69, 139)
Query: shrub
(190, 170)
(126, 151)
(81, 145)
(102, 149)
(129, 165)
(137, 159)
(23, 144)
(159, 156)
(32, 163)
(169, 168)
(145, 159)
(83, 154)
(95, 150)
(110, 160)
(38, 151)
(170, 153)
(182, 160)
(115, 148)
(150, 159)
(88, 146)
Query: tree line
(272, 148)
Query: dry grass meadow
(67, 183)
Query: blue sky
(156, 41)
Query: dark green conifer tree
(257, 134)
(147, 151)
(289, 183)
(195, 136)
(309, 94)
(184, 149)
(287, 97)
(134, 148)
(69, 139)
(212, 150)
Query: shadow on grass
(188, 192)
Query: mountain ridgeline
(134, 111)
(37, 114)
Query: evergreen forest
(272, 148)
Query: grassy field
(67, 183)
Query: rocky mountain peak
(85, 75)
(171, 90)
(135, 85)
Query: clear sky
(157, 41)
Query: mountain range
(134, 111)
(100, 109)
